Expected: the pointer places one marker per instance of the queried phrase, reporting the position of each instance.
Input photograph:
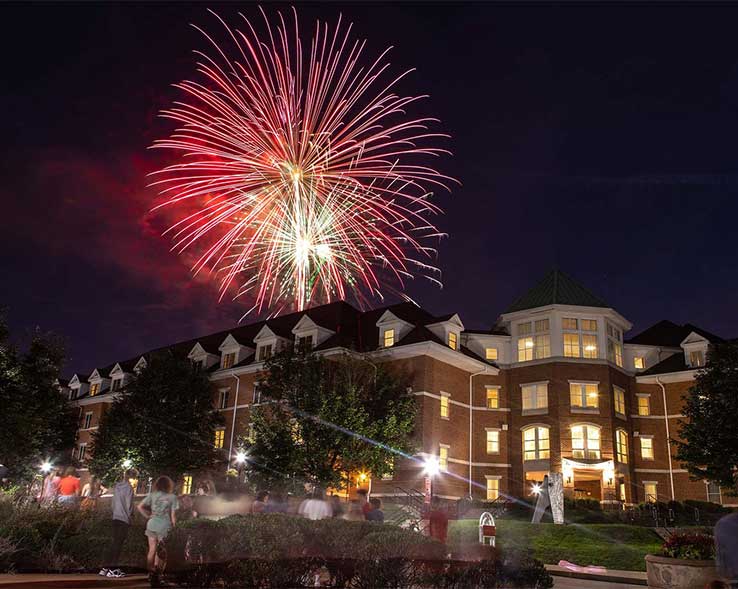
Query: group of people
(317, 506)
(62, 486)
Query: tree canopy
(709, 436)
(37, 423)
(163, 422)
(324, 418)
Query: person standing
(726, 548)
(91, 492)
(260, 503)
(375, 513)
(122, 513)
(69, 488)
(159, 508)
(316, 507)
(438, 521)
(364, 501)
(50, 489)
(336, 506)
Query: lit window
(585, 441)
(490, 353)
(536, 444)
(569, 323)
(219, 437)
(453, 340)
(571, 345)
(535, 397)
(88, 420)
(644, 405)
(493, 489)
(82, 454)
(296, 432)
(186, 484)
(389, 338)
(94, 389)
(639, 363)
(229, 359)
(622, 446)
(444, 406)
(493, 442)
(621, 492)
(534, 342)
(589, 346)
(696, 358)
(647, 448)
(614, 345)
(649, 490)
(714, 494)
(115, 385)
(619, 397)
(443, 457)
(584, 395)
(589, 324)
(265, 352)
(223, 400)
(493, 398)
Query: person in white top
(316, 507)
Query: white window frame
(453, 340)
(492, 435)
(621, 453)
(584, 397)
(537, 438)
(116, 384)
(647, 397)
(264, 352)
(388, 335)
(580, 332)
(488, 478)
(443, 449)
(719, 492)
(228, 355)
(82, 452)
(445, 403)
(223, 395)
(587, 453)
(539, 408)
(614, 344)
(491, 353)
(615, 390)
(533, 342)
(492, 401)
(653, 452)
(651, 497)
(256, 394)
(88, 420)
(639, 360)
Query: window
(585, 441)
(88, 421)
(584, 395)
(644, 405)
(444, 406)
(229, 359)
(493, 441)
(647, 448)
(453, 340)
(589, 346)
(223, 399)
(443, 457)
(265, 352)
(389, 338)
(713, 493)
(589, 324)
(649, 490)
(490, 353)
(82, 454)
(639, 363)
(621, 492)
(568, 323)
(535, 397)
(493, 398)
(534, 341)
(571, 345)
(536, 443)
(94, 388)
(697, 358)
(186, 484)
(622, 446)
(614, 345)
(72, 394)
(256, 399)
(577, 343)
(219, 437)
(116, 384)
(305, 343)
(619, 396)
(493, 488)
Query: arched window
(536, 445)
(622, 446)
(585, 441)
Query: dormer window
(73, 393)
(94, 388)
(305, 343)
(453, 340)
(116, 384)
(639, 362)
(228, 360)
(696, 358)
(265, 352)
(490, 354)
(389, 338)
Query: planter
(674, 573)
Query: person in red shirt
(438, 521)
(366, 507)
(68, 487)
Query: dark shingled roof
(667, 334)
(556, 288)
(674, 363)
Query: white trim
(571, 381)
(492, 429)
(496, 477)
(668, 377)
(459, 403)
(536, 383)
(481, 464)
(658, 471)
(652, 416)
(640, 435)
(530, 425)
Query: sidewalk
(71, 581)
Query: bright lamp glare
(536, 488)
(431, 467)
(46, 467)
(127, 463)
(240, 457)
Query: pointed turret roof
(556, 288)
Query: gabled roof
(668, 334)
(674, 363)
(556, 288)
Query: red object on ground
(438, 521)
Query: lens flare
(300, 177)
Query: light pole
(241, 457)
(430, 468)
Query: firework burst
(302, 178)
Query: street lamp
(127, 463)
(46, 467)
(240, 457)
(430, 468)
(536, 489)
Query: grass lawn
(615, 546)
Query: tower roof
(556, 288)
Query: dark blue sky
(599, 138)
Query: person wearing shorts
(159, 508)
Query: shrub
(689, 547)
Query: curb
(128, 581)
(558, 572)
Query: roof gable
(229, 343)
(556, 288)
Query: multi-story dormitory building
(553, 386)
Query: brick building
(553, 386)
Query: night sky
(599, 139)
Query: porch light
(240, 457)
(536, 489)
(431, 466)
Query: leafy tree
(326, 418)
(37, 422)
(709, 445)
(163, 421)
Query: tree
(163, 421)
(37, 422)
(709, 436)
(328, 418)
